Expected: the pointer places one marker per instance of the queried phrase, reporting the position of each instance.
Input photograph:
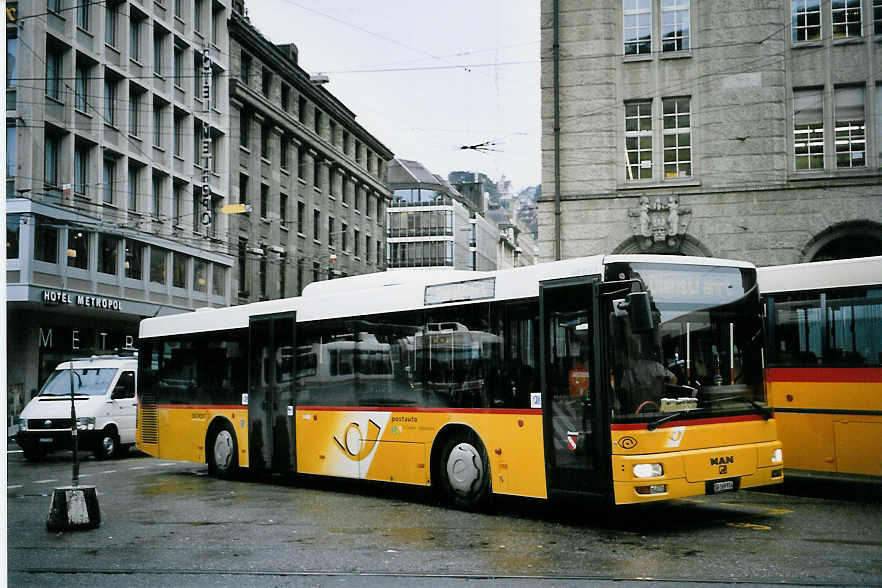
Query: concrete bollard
(73, 508)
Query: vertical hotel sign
(206, 138)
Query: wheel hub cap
(464, 468)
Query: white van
(106, 409)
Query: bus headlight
(22, 423)
(648, 470)
(777, 456)
(84, 423)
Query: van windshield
(86, 382)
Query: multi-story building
(311, 176)
(112, 195)
(432, 225)
(740, 129)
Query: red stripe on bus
(203, 406)
(527, 411)
(707, 421)
(824, 374)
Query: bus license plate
(45, 439)
(723, 486)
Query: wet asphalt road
(169, 524)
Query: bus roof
(402, 290)
(819, 275)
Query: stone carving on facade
(659, 222)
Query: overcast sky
(427, 77)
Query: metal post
(75, 479)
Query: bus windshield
(702, 360)
(86, 382)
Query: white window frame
(844, 17)
(640, 135)
(632, 9)
(800, 9)
(677, 132)
(849, 132)
(677, 8)
(808, 136)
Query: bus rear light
(777, 456)
(777, 473)
(648, 470)
(654, 489)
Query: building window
(83, 9)
(344, 234)
(158, 262)
(808, 129)
(301, 217)
(850, 127)
(283, 274)
(135, 114)
(81, 87)
(179, 67)
(135, 40)
(157, 125)
(283, 210)
(110, 101)
(286, 95)
(218, 279)
(675, 25)
(243, 189)
(51, 147)
(316, 172)
(285, 153)
(11, 58)
(53, 5)
(356, 237)
(265, 132)
(266, 78)
(179, 136)
(244, 126)
(133, 188)
(301, 163)
(107, 181)
(805, 20)
(200, 275)
(261, 277)
(158, 39)
(638, 140)
(242, 254)
(110, 19)
(264, 200)
(317, 122)
(77, 248)
(245, 68)
(316, 225)
(197, 15)
(108, 246)
(316, 268)
(677, 138)
(53, 73)
(156, 200)
(877, 17)
(10, 152)
(81, 170)
(331, 239)
(301, 109)
(637, 26)
(179, 270)
(178, 205)
(45, 240)
(134, 259)
(846, 18)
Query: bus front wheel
(223, 453)
(465, 472)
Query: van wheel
(33, 453)
(223, 453)
(108, 444)
(465, 472)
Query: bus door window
(570, 385)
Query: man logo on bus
(354, 445)
(718, 461)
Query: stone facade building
(312, 177)
(106, 221)
(749, 130)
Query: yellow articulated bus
(824, 363)
(632, 377)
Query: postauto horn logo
(355, 446)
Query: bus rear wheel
(465, 472)
(223, 453)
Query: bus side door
(570, 384)
(272, 393)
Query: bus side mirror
(639, 310)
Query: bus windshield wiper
(653, 425)
(763, 410)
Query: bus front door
(272, 394)
(569, 383)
